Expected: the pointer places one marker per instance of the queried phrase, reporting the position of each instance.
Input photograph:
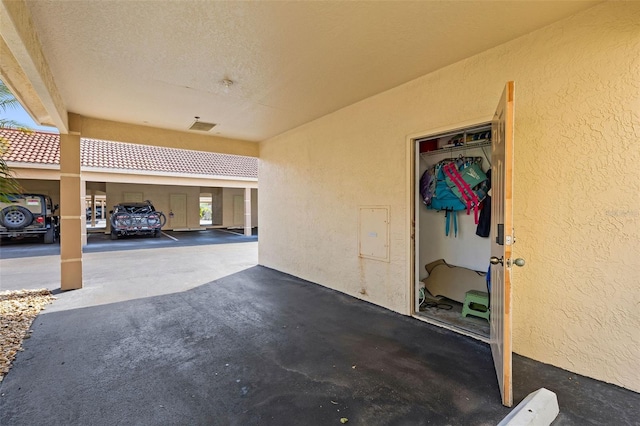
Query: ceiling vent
(201, 126)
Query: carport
(175, 180)
(335, 99)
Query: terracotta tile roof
(35, 147)
(44, 148)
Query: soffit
(161, 63)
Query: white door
(238, 210)
(502, 240)
(178, 211)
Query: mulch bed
(17, 311)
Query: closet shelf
(467, 146)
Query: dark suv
(24, 215)
(136, 219)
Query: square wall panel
(132, 197)
(373, 235)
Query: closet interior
(453, 209)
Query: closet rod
(456, 148)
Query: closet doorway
(453, 247)
(462, 186)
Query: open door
(502, 240)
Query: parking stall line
(167, 235)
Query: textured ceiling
(160, 63)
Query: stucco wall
(576, 197)
(123, 132)
(216, 205)
(159, 196)
(47, 187)
(228, 195)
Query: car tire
(114, 235)
(157, 233)
(50, 235)
(15, 217)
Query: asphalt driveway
(200, 335)
(100, 242)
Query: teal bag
(469, 183)
(473, 176)
(442, 198)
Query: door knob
(519, 262)
(498, 260)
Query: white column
(247, 212)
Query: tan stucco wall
(34, 172)
(144, 177)
(47, 187)
(124, 132)
(228, 195)
(216, 204)
(159, 196)
(577, 194)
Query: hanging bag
(453, 185)
(428, 185)
(469, 183)
(441, 197)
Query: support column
(93, 208)
(247, 212)
(71, 208)
(83, 211)
(217, 213)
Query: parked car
(98, 212)
(29, 215)
(136, 219)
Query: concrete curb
(539, 408)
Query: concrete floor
(181, 343)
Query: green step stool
(476, 303)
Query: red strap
(465, 190)
(452, 172)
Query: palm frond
(14, 125)
(8, 183)
(7, 99)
